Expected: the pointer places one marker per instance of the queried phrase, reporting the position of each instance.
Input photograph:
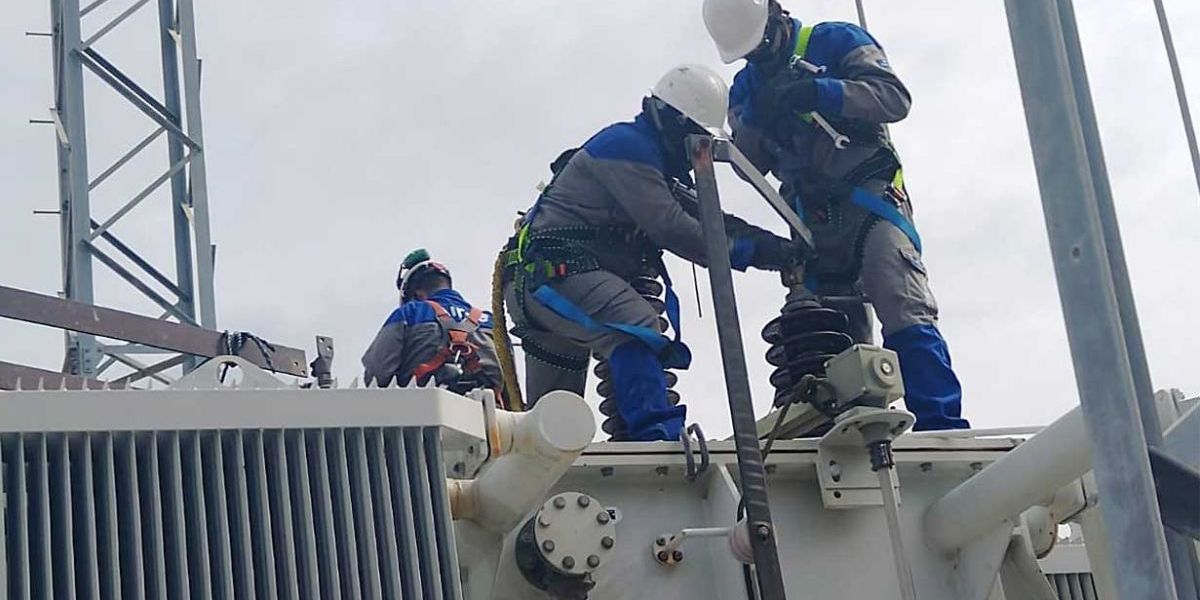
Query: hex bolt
(661, 541)
(763, 532)
(568, 562)
(543, 520)
(662, 556)
(602, 517)
(560, 503)
(607, 542)
(677, 555)
(548, 545)
(584, 501)
(593, 561)
(886, 367)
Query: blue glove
(741, 253)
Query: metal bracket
(726, 151)
(843, 465)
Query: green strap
(801, 50)
(802, 40)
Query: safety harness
(459, 349)
(533, 259)
(870, 202)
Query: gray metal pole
(737, 379)
(1182, 553)
(197, 172)
(1094, 331)
(183, 227)
(73, 164)
(1189, 128)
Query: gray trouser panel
(604, 296)
(893, 279)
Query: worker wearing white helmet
(810, 106)
(604, 221)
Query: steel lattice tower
(90, 240)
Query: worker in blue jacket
(605, 219)
(810, 106)
(435, 337)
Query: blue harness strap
(888, 212)
(673, 354)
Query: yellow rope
(508, 368)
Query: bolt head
(886, 367)
(661, 541)
(662, 556)
(677, 555)
(560, 503)
(584, 501)
(548, 545)
(607, 542)
(763, 532)
(543, 520)
(662, 470)
(926, 467)
(606, 471)
(593, 561)
(568, 562)
(602, 517)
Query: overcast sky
(340, 135)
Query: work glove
(766, 252)
(773, 253)
(785, 96)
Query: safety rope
(232, 342)
(508, 367)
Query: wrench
(839, 141)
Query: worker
(802, 87)
(434, 337)
(604, 219)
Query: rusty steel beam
(174, 337)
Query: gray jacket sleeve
(488, 362)
(871, 91)
(385, 356)
(643, 193)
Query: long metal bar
(1102, 370)
(175, 152)
(137, 259)
(120, 162)
(1185, 111)
(891, 514)
(197, 171)
(726, 151)
(140, 285)
(1181, 551)
(113, 23)
(106, 322)
(862, 13)
(737, 379)
(93, 6)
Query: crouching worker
(604, 220)
(434, 336)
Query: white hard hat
(698, 93)
(737, 26)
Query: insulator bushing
(803, 339)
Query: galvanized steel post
(737, 379)
(1103, 373)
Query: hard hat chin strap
(673, 128)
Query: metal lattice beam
(186, 296)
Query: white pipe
(539, 446)
(1025, 476)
